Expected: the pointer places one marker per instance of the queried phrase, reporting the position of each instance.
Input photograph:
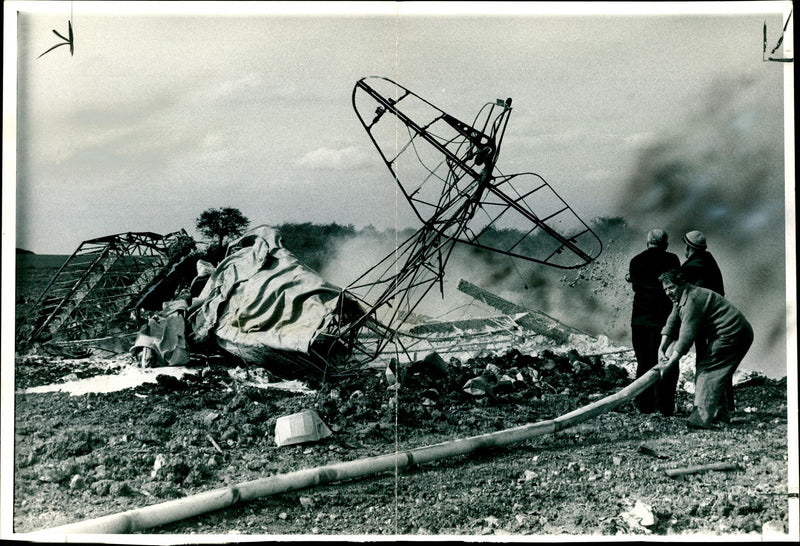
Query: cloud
(230, 90)
(640, 140)
(326, 158)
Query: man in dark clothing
(651, 307)
(701, 269)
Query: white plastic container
(298, 428)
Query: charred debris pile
(434, 391)
(155, 296)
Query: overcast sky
(159, 116)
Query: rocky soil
(83, 456)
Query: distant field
(33, 271)
(39, 261)
(31, 266)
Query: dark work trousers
(717, 360)
(729, 401)
(729, 395)
(661, 396)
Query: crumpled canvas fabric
(261, 297)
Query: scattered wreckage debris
(259, 304)
(263, 306)
(638, 517)
(449, 180)
(175, 510)
(647, 450)
(537, 321)
(299, 428)
(92, 297)
(513, 318)
(680, 472)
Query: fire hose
(171, 511)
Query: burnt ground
(86, 456)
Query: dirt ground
(85, 456)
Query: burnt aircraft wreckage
(446, 170)
(261, 304)
(90, 298)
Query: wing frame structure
(445, 169)
(470, 154)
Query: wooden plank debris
(539, 322)
(677, 472)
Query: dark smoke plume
(722, 173)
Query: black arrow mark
(67, 41)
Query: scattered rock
(639, 517)
(429, 397)
(647, 450)
(29, 460)
(119, 489)
(210, 418)
(478, 386)
(171, 383)
(505, 384)
(161, 418)
(255, 464)
(158, 464)
(56, 472)
(356, 395)
(77, 482)
(101, 487)
(772, 528)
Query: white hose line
(171, 511)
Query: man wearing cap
(701, 313)
(651, 307)
(701, 269)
